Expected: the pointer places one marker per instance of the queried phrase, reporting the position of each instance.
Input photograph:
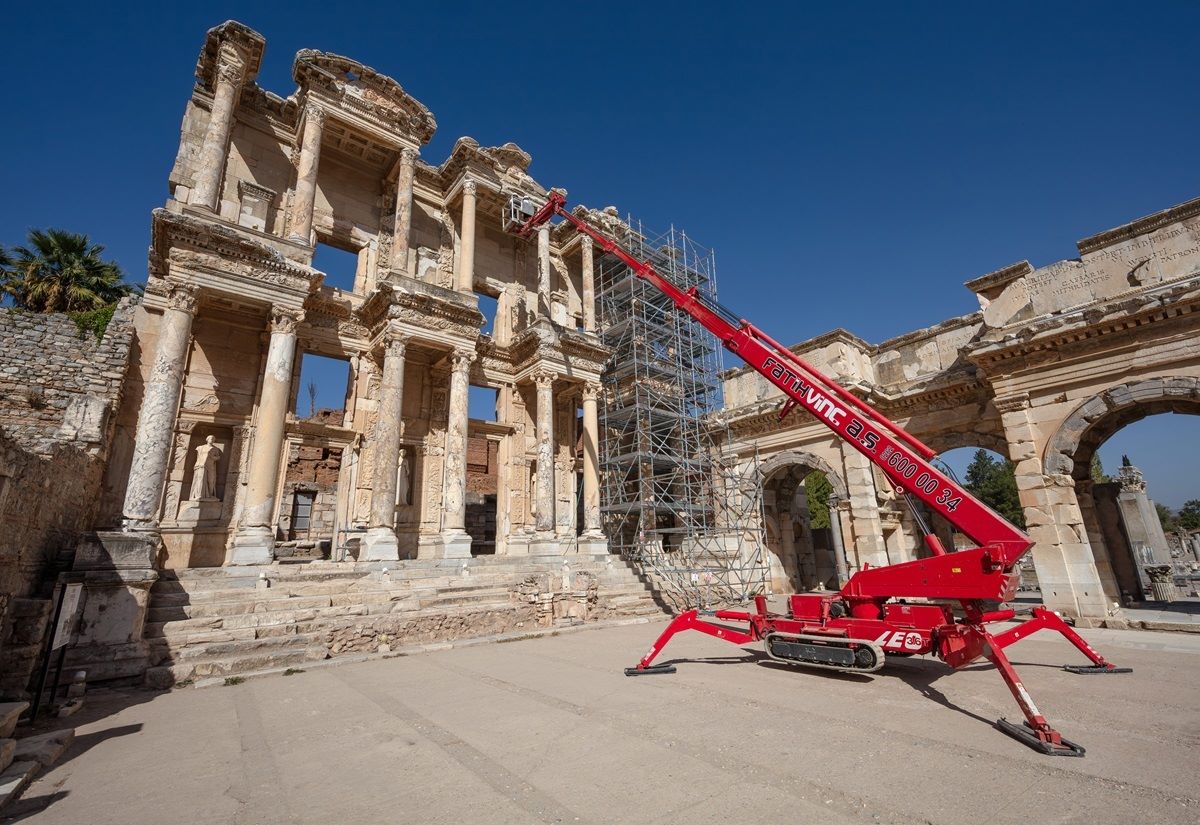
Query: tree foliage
(60, 271)
(994, 482)
(1165, 517)
(818, 488)
(1097, 470)
(1189, 515)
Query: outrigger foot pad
(1085, 669)
(649, 671)
(1025, 734)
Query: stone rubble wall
(59, 384)
(58, 390)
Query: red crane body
(855, 628)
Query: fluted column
(211, 163)
(255, 539)
(404, 199)
(306, 175)
(543, 270)
(591, 462)
(455, 540)
(380, 542)
(156, 418)
(589, 284)
(466, 256)
(544, 521)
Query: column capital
(461, 359)
(586, 240)
(591, 390)
(543, 378)
(183, 297)
(314, 114)
(469, 187)
(284, 320)
(395, 341)
(409, 155)
(230, 73)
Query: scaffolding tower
(669, 502)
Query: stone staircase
(221, 622)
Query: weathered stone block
(45, 748)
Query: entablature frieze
(217, 258)
(1061, 337)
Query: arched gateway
(1057, 359)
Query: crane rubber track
(827, 653)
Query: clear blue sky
(852, 164)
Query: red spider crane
(856, 628)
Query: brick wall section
(59, 390)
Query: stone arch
(1067, 464)
(1069, 452)
(800, 557)
(792, 458)
(944, 442)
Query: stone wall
(57, 382)
(58, 388)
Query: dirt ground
(549, 731)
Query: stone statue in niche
(404, 479)
(204, 475)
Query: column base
(253, 545)
(379, 544)
(545, 544)
(594, 543)
(456, 545)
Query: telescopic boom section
(902, 458)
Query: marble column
(589, 284)
(543, 271)
(456, 542)
(466, 254)
(839, 547)
(306, 175)
(404, 201)
(380, 542)
(544, 488)
(156, 418)
(591, 469)
(211, 162)
(254, 542)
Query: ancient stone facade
(1057, 360)
(233, 303)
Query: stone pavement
(549, 730)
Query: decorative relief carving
(1013, 403)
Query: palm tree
(60, 271)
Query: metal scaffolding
(669, 503)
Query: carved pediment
(364, 91)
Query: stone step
(163, 676)
(215, 651)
